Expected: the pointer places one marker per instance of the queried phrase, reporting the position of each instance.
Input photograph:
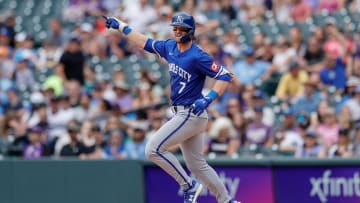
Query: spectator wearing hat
(349, 93)
(250, 70)
(257, 132)
(74, 148)
(289, 122)
(23, 75)
(291, 85)
(135, 146)
(95, 151)
(259, 99)
(309, 101)
(311, 148)
(354, 105)
(343, 147)
(223, 139)
(123, 96)
(13, 101)
(35, 149)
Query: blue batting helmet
(185, 20)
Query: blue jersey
(188, 69)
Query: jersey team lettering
(214, 67)
(179, 71)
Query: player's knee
(150, 152)
(197, 166)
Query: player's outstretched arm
(132, 35)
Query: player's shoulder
(199, 52)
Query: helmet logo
(180, 19)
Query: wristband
(212, 95)
(126, 30)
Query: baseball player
(188, 67)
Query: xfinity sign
(328, 186)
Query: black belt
(179, 108)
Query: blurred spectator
(257, 132)
(250, 70)
(228, 11)
(55, 81)
(343, 148)
(282, 10)
(314, 55)
(102, 113)
(357, 141)
(239, 123)
(14, 103)
(258, 99)
(223, 138)
(354, 104)
(95, 151)
(132, 11)
(155, 125)
(72, 61)
(115, 147)
(291, 85)
(300, 10)
(49, 55)
(117, 45)
(57, 119)
(309, 101)
(328, 131)
(75, 148)
(35, 149)
(296, 38)
(85, 109)
(135, 146)
(23, 76)
(7, 65)
(284, 55)
(331, 5)
(123, 97)
(56, 33)
(334, 73)
(311, 148)
(145, 97)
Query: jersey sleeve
(156, 47)
(209, 67)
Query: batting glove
(199, 106)
(117, 24)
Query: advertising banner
(246, 184)
(317, 185)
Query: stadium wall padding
(71, 181)
(279, 180)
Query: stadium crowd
(296, 90)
